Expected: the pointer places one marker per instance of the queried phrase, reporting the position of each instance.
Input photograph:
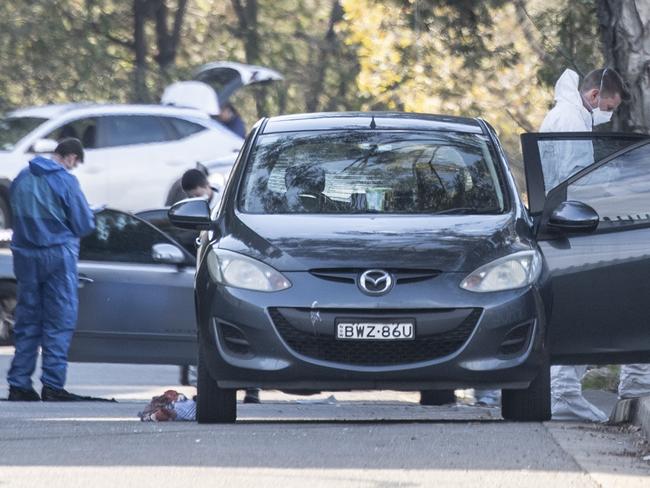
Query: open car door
(589, 195)
(136, 295)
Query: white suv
(134, 153)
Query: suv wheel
(7, 309)
(437, 397)
(5, 214)
(532, 404)
(213, 404)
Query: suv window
(184, 128)
(619, 190)
(83, 129)
(120, 237)
(372, 172)
(124, 130)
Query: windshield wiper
(467, 211)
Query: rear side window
(184, 128)
(357, 172)
(125, 130)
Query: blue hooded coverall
(50, 214)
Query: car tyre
(5, 214)
(7, 310)
(214, 405)
(437, 397)
(532, 404)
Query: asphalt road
(360, 439)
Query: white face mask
(599, 116)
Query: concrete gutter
(634, 410)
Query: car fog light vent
(234, 339)
(517, 340)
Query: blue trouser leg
(60, 304)
(28, 315)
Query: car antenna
(373, 125)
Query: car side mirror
(192, 213)
(44, 146)
(574, 217)
(167, 254)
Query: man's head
(604, 89)
(227, 113)
(195, 184)
(69, 152)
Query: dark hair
(192, 179)
(70, 145)
(612, 83)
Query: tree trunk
(625, 30)
(140, 91)
(247, 31)
(168, 42)
(327, 48)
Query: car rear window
(359, 172)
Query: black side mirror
(192, 213)
(574, 217)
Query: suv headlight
(234, 269)
(507, 273)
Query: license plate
(393, 329)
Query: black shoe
(22, 395)
(252, 396)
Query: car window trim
(559, 194)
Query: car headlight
(234, 269)
(507, 273)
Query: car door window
(619, 190)
(125, 130)
(120, 237)
(184, 128)
(550, 159)
(83, 129)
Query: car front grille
(319, 344)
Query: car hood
(441, 243)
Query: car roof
(96, 109)
(371, 120)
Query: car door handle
(83, 280)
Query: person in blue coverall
(50, 215)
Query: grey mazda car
(393, 251)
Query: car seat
(305, 185)
(88, 137)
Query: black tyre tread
(437, 397)
(532, 404)
(6, 209)
(214, 405)
(8, 289)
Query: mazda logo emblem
(375, 282)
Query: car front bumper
(285, 340)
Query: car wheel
(7, 309)
(437, 397)
(532, 404)
(213, 404)
(5, 214)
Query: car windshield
(359, 172)
(13, 129)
